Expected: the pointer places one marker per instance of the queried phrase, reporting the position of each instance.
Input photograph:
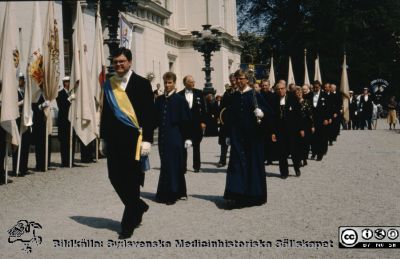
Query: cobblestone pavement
(357, 184)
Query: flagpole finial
(305, 51)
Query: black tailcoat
(124, 171)
(39, 134)
(198, 115)
(64, 127)
(25, 142)
(287, 126)
(322, 112)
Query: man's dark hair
(317, 82)
(169, 76)
(123, 51)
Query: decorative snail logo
(25, 232)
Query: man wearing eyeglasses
(127, 125)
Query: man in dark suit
(25, 140)
(288, 128)
(64, 100)
(270, 98)
(195, 99)
(222, 134)
(39, 130)
(337, 111)
(365, 108)
(321, 115)
(353, 112)
(120, 133)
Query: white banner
(125, 32)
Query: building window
(67, 57)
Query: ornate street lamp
(110, 10)
(207, 41)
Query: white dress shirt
(282, 101)
(315, 99)
(189, 97)
(124, 79)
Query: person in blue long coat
(247, 121)
(173, 118)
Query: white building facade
(161, 41)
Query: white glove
(145, 148)
(103, 147)
(71, 97)
(188, 143)
(259, 113)
(44, 105)
(228, 141)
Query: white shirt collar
(246, 89)
(124, 79)
(170, 93)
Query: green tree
(367, 30)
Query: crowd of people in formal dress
(258, 122)
(37, 136)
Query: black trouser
(87, 151)
(288, 145)
(336, 127)
(196, 155)
(224, 152)
(24, 156)
(319, 141)
(126, 177)
(39, 138)
(366, 121)
(64, 148)
(2, 150)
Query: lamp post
(110, 11)
(206, 42)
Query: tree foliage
(367, 30)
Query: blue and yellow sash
(122, 108)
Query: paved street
(356, 184)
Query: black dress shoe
(12, 174)
(319, 158)
(313, 157)
(284, 176)
(298, 172)
(140, 217)
(221, 164)
(170, 202)
(305, 162)
(196, 170)
(125, 235)
(3, 181)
